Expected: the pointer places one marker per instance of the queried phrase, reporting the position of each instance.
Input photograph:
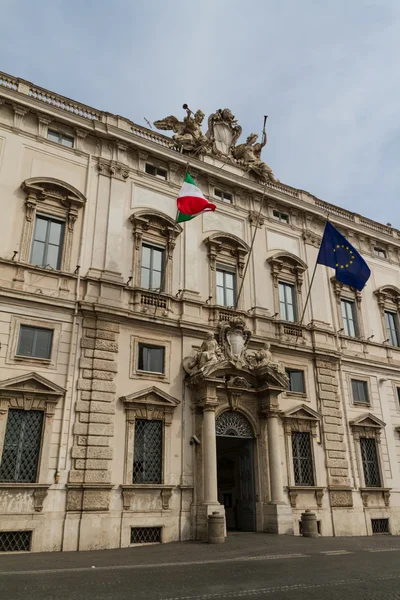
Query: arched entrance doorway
(235, 470)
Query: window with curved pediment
(154, 235)
(287, 272)
(52, 208)
(227, 255)
(349, 301)
(388, 297)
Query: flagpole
(308, 295)
(251, 248)
(164, 272)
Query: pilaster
(93, 431)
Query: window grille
(145, 535)
(151, 273)
(287, 302)
(15, 541)
(35, 342)
(380, 526)
(147, 461)
(21, 450)
(302, 458)
(47, 242)
(369, 457)
(233, 424)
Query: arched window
(287, 275)
(52, 208)
(227, 254)
(233, 424)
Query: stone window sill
(295, 394)
(32, 359)
(39, 491)
(129, 489)
(368, 491)
(294, 492)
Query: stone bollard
(309, 524)
(216, 528)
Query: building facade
(129, 414)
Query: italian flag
(191, 201)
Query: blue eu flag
(336, 252)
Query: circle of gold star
(344, 259)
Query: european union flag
(336, 252)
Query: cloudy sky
(325, 71)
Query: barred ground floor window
(21, 449)
(302, 458)
(147, 461)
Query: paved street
(255, 566)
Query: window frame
(158, 341)
(61, 136)
(25, 415)
(292, 392)
(49, 220)
(222, 196)
(365, 382)
(225, 270)
(278, 214)
(346, 302)
(34, 340)
(12, 358)
(311, 459)
(378, 465)
(389, 330)
(287, 285)
(161, 451)
(157, 171)
(142, 346)
(153, 248)
(380, 252)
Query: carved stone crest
(223, 131)
(234, 338)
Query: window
(151, 358)
(370, 464)
(47, 242)
(60, 138)
(302, 458)
(380, 252)
(296, 381)
(147, 460)
(35, 342)
(281, 216)
(360, 391)
(224, 196)
(392, 327)
(152, 267)
(21, 450)
(287, 302)
(349, 318)
(226, 284)
(398, 396)
(156, 171)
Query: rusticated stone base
(88, 497)
(278, 519)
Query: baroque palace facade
(128, 415)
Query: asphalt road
(253, 566)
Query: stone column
(210, 455)
(274, 454)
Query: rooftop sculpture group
(220, 140)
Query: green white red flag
(191, 201)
